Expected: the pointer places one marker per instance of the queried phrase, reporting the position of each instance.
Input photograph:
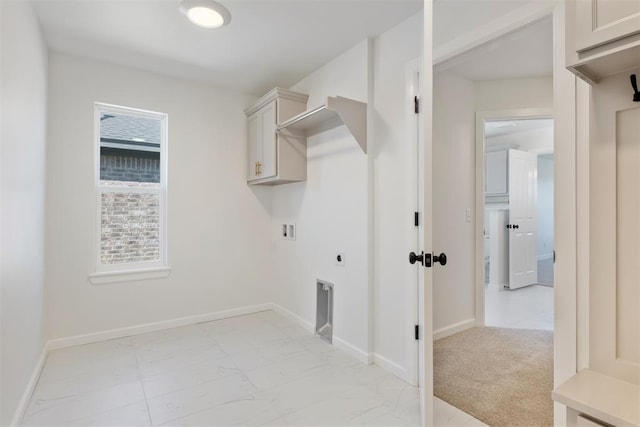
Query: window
(131, 177)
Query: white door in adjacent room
(523, 260)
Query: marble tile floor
(255, 370)
(530, 307)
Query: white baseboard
(352, 350)
(454, 329)
(545, 257)
(393, 367)
(337, 341)
(31, 386)
(153, 327)
(293, 317)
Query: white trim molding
(153, 327)
(393, 367)
(31, 386)
(481, 118)
(352, 350)
(105, 277)
(454, 329)
(293, 317)
(101, 188)
(338, 342)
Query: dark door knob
(413, 258)
(442, 259)
(432, 259)
(516, 226)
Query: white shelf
(337, 111)
(602, 397)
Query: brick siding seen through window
(129, 167)
(130, 227)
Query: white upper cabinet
(603, 37)
(495, 166)
(605, 21)
(275, 158)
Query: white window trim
(111, 273)
(106, 277)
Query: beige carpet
(503, 377)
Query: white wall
(218, 227)
(544, 207)
(330, 209)
(453, 194)
(534, 92)
(457, 18)
(395, 197)
(22, 154)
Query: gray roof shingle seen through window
(121, 129)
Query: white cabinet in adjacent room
(276, 158)
(496, 170)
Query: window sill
(105, 277)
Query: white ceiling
(268, 43)
(508, 127)
(534, 135)
(527, 52)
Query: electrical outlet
(467, 215)
(340, 259)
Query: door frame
(570, 348)
(481, 118)
(413, 123)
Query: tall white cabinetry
(603, 37)
(606, 50)
(274, 157)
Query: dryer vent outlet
(324, 310)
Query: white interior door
(523, 261)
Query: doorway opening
(493, 105)
(518, 222)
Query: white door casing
(566, 188)
(481, 118)
(523, 263)
(414, 178)
(426, 298)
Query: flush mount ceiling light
(205, 13)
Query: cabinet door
(614, 231)
(496, 173)
(268, 162)
(255, 145)
(602, 21)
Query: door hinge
(417, 332)
(416, 219)
(416, 104)
(554, 256)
